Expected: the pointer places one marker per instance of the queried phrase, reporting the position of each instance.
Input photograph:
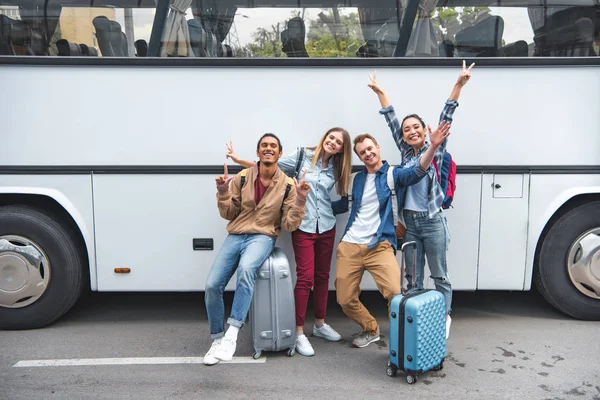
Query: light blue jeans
(246, 253)
(432, 240)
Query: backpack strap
(243, 176)
(437, 170)
(390, 182)
(288, 188)
(299, 162)
(350, 186)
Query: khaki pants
(351, 262)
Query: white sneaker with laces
(226, 350)
(448, 323)
(326, 332)
(209, 357)
(303, 346)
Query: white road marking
(129, 361)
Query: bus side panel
(72, 192)
(463, 224)
(147, 223)
(212, 105)
(548, 194)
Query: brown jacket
(268, 217)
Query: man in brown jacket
(258, 203)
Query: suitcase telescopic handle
(406, 245)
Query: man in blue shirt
(369, 240)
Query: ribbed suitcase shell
(418, 331)
(272, 312)
(417, 328)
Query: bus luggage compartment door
(503, 240)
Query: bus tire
(567, 273)
(41, 268)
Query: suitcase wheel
(391, 370)
(291, 352)
(439, 367)
(256, 355)
(411, 379)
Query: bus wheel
(41, 268)
(568, 269)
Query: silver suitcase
(272, 313)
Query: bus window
(563, 31)
(75, 28)
(286, 29)
(502, 29)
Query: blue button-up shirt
(319, 212)
(403, 177)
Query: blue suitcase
(417, 329)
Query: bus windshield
(309, 29)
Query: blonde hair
(361, 138)
(342, 161)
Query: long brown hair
(342, 161)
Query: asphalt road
(503, 346)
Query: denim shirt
(417, 195)
(319, 211)
(403, 177)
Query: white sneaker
(303, 346)
(226, 350)
(326, 332)
(448, 323)
(209, 357)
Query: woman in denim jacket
(327, 165)
(423, 217)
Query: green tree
(334, 35)
(448, 21)
(266, 43)
(330, 35)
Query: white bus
(115, 114)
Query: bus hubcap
(583, 263)
(24, 271)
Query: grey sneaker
(365, 339)
(326, 332)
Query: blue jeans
(432, 240)
(246, 253)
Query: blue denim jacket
(319, 212)
(403, 177)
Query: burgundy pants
(313, 262)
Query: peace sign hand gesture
(465, 74)
(223, 181)
(231, 152)
(373, 84)
(302, 188)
